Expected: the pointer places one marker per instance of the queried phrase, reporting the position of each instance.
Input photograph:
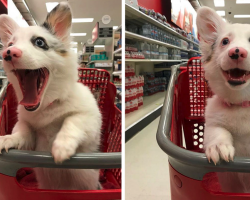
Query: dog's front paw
(63, 149)
(11, 141)
(223, 151)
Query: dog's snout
(237, 53)
(12, 53)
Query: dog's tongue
(30, 94)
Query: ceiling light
(242, 1)
(74, 49)
(219, 3)
(115, 27)
(99, 46)
(73, 42)
(51, 5)
(221, 12)
(81, 20)
(78, 34)
(241, 16)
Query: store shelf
(118, 29)
(99, 61)
(130, 35)
(150, 104)
(84, 61)
(117, 51)
(184, 60)
(151, 60)
(117, 73)
(191, 50)
(138, 15)
(3, 77)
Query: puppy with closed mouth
(55, 113)
(226, 60)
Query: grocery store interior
(97, 41)
(96, 31)
(158, 34)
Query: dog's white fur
(227, 130)
(73, 122)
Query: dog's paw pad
(63, 150)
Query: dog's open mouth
(236, 76)
(32, 84)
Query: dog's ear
(209, 24)
(7, 27)
(58, 21)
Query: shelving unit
(137, 120)
(118, 29)
(117, 51)
(117, 73)
(100, 61)
(130, 35)
(150, 60)
(132, 13)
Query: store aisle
(147, 175)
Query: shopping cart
(180, 135)
(17, 162)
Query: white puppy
(55, 113)
(226, 60)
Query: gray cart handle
(191, 164)
(16, 159)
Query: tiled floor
(147, 176)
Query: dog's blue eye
(40, 43)
(225, 41)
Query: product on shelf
(132, 28)
(117, 81)
(149, 51)
(131, 51)
(129, 71)
(184, 55)
(165, 74)
(153, 84)
(184, 44)
(119, 62)
(163, 53)
(131, 47)
(174, 54)
(134, 90)
(163, 20)
(145, 47)
(151, 31)
(101, 56)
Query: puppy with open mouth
(55, 113)
(226, 60)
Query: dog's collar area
(244, 104)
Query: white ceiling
(231, 6)
(81, 9)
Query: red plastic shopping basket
(180, 135)
(22, 185)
